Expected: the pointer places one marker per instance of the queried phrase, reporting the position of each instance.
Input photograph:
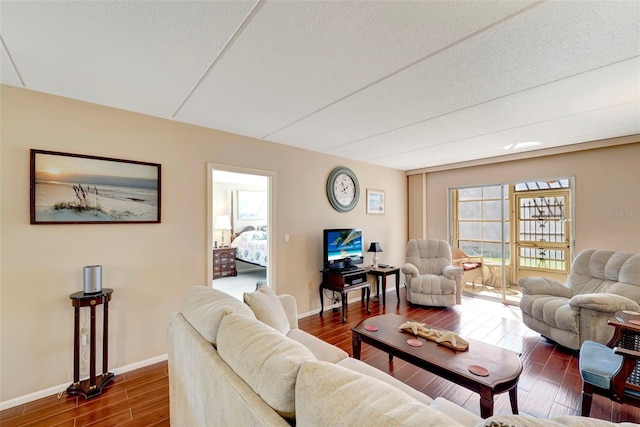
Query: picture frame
(68, 188)
(375, 202)
(252, 204)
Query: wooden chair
(471, 266)
(612, 370)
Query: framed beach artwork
(78, 189)
(375, 201)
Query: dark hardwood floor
(549, 386)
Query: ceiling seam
(243, 24)
(406, 67)
(481, 103)
(503, 130)
(12, 62)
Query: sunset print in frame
(70, 188)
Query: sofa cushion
(267, 308)
(457, 412)
(331, 395)
(361, 367)
(204, 308)
(264, 358)
(322, 350)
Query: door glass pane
(491, 209)
(543, 258)
(492, 192)
(470, 230)
(470, 210)
(470, 193)
(492, 231)
(492, 251)
(470, 248)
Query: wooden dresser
(224, 262)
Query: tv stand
(350, 270)
(343, 281)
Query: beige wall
(149, 266)
(607, 192)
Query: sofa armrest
(544, 286)
(410, 270)
(607, 303)
(450, 272)
(291, 308)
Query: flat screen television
(343, 248)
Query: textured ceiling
(403, 84)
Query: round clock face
(343, 190)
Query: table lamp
(222, 223)
(375, 248)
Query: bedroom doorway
(239, 222)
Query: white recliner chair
(431, 279)
(600, 284)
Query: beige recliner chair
(431, 279)
(600, 284)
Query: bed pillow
(204, 308)
(267, 308)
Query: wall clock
(343, 190)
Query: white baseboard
(62, 387)
(349, 301)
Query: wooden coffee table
(504, 366)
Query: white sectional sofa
(237, 364)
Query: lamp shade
(223, 222)
(375, 247)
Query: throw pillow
(267, 308)
(264, 358)
(331, 395)
(204, 308)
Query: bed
(251, 246)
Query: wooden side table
(224, 262)
(628, 317)
(343, 282)
(381, 273)
(94, 385)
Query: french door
(516, 230)
(543, 239)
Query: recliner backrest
(600, 271)
(430, 256)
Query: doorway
(239, 223)
(504, 232)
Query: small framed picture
(375, 202)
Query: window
(482, 218)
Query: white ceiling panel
(594, 125)
(403, 84)
(292, 61)
(599, 89)
(138, 56)
(514, 56)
